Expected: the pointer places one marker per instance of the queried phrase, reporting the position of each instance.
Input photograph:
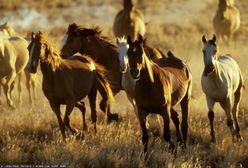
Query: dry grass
(30, 135)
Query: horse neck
(49, 64)
(103, 52)
(144, 74)
(222, 4)
(128, 5)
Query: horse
(221, 82)
(90, 42)
(67, 81)
(7, 31)
(129, 21)
(226, 20)
(127, 82)
(158, 89)
(13, 60)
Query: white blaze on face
(31, 55)
(92, 66)
(64, 41)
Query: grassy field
(30, 134)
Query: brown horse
(226, 20)
(90, 42)
(159, 88)
(129, 21)
(7, 31)
(67, 81)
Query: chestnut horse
(158, 89)
(129, 21)
(90, 42)
(67, 81)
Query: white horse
(7, 31)
(222, 82)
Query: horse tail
(103, 83)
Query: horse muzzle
(135, 73)
(32, 69)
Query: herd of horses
(154, 82)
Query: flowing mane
(51, 55)
(95, 32)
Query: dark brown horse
(67, 81)
(90, 42)
(159, 88)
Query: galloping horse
(7, 31)
(158, 89)
(127, 82)
(90, 42)
(67, 81)
(129, 21)
(222, 82)
(13, 60)
(226, 20)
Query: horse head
(135, 56)
(36, 51)
(122, 50)
(210, 50)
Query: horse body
(222, 82)
(90, 42)
(158, 89)
(226, 20)
(67, 81)
(13, 60)
(7, 31)
(129, 21)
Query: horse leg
(167, 136)
(237, 97)
(211, 103)
(33, 85)
(28, 86)
(185, 111)
(227, 108)
(105, 106)
(20, 87)
(92, 100)
(81, 106)
(7, 88)
(69, 107)
(56, 110)
(142, 119)
(175, 119)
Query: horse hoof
(172, 147)
(113, 117)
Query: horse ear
(32, 35)
(129, 40)
(117, 40)
(72, 28)
(214, 38)
(140, 39)
(204, 40)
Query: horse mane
(97, 33)
(7, 27)
(51, 56)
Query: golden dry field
(30, 134)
